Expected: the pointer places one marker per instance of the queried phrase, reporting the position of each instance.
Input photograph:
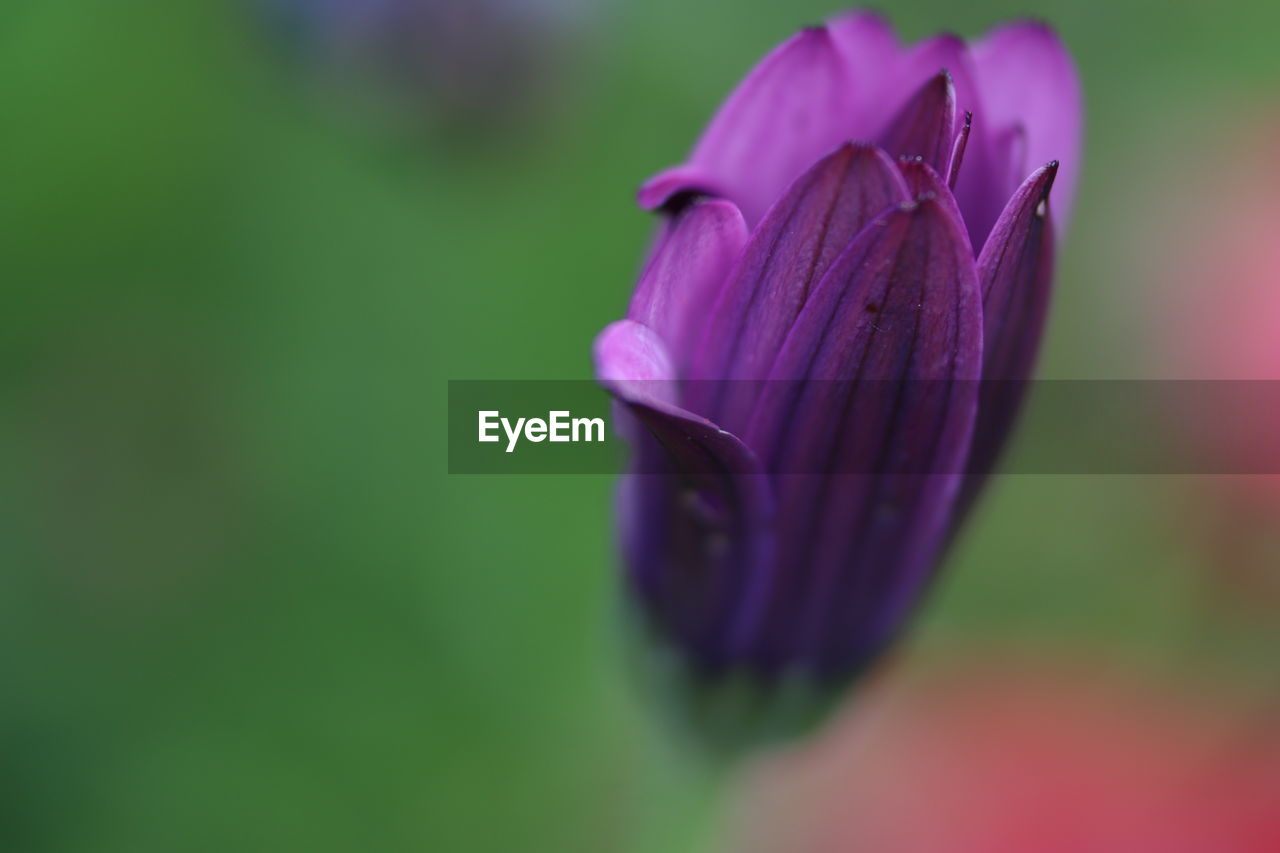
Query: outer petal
(1027, 78)
(633, 363)
(1015, 270)
(871, 53)
(786, 256)
(788, 111)
(695, 506)
(877, 376)
(685, 273)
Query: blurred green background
(242, 605)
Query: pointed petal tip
(1045, 176)
(958, 148)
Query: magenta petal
(790, 109)
(925, 126)
(669, 183)
(633, 364)
(877, 375)
(1027, 77)
(784, 258)
(684, 275)
(695, 507)
(870, 51)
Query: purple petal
(1027, 78)
(695, 508)
(685, 273)
(784, 258)
(876, 376)
(925, 126)
(790, 109)
(1015, 270)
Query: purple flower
(857, 212)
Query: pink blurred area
(1023, 759)
(1209, 259)
(1214, 257)
(1207, 262)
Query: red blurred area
(1023, 760)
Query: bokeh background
(243, 247)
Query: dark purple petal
(925, 126)
(695, 508)
(784, 258)
(1027, 78)
(877, 375)
(685, 272)
(788, 111)
(1015, 271)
